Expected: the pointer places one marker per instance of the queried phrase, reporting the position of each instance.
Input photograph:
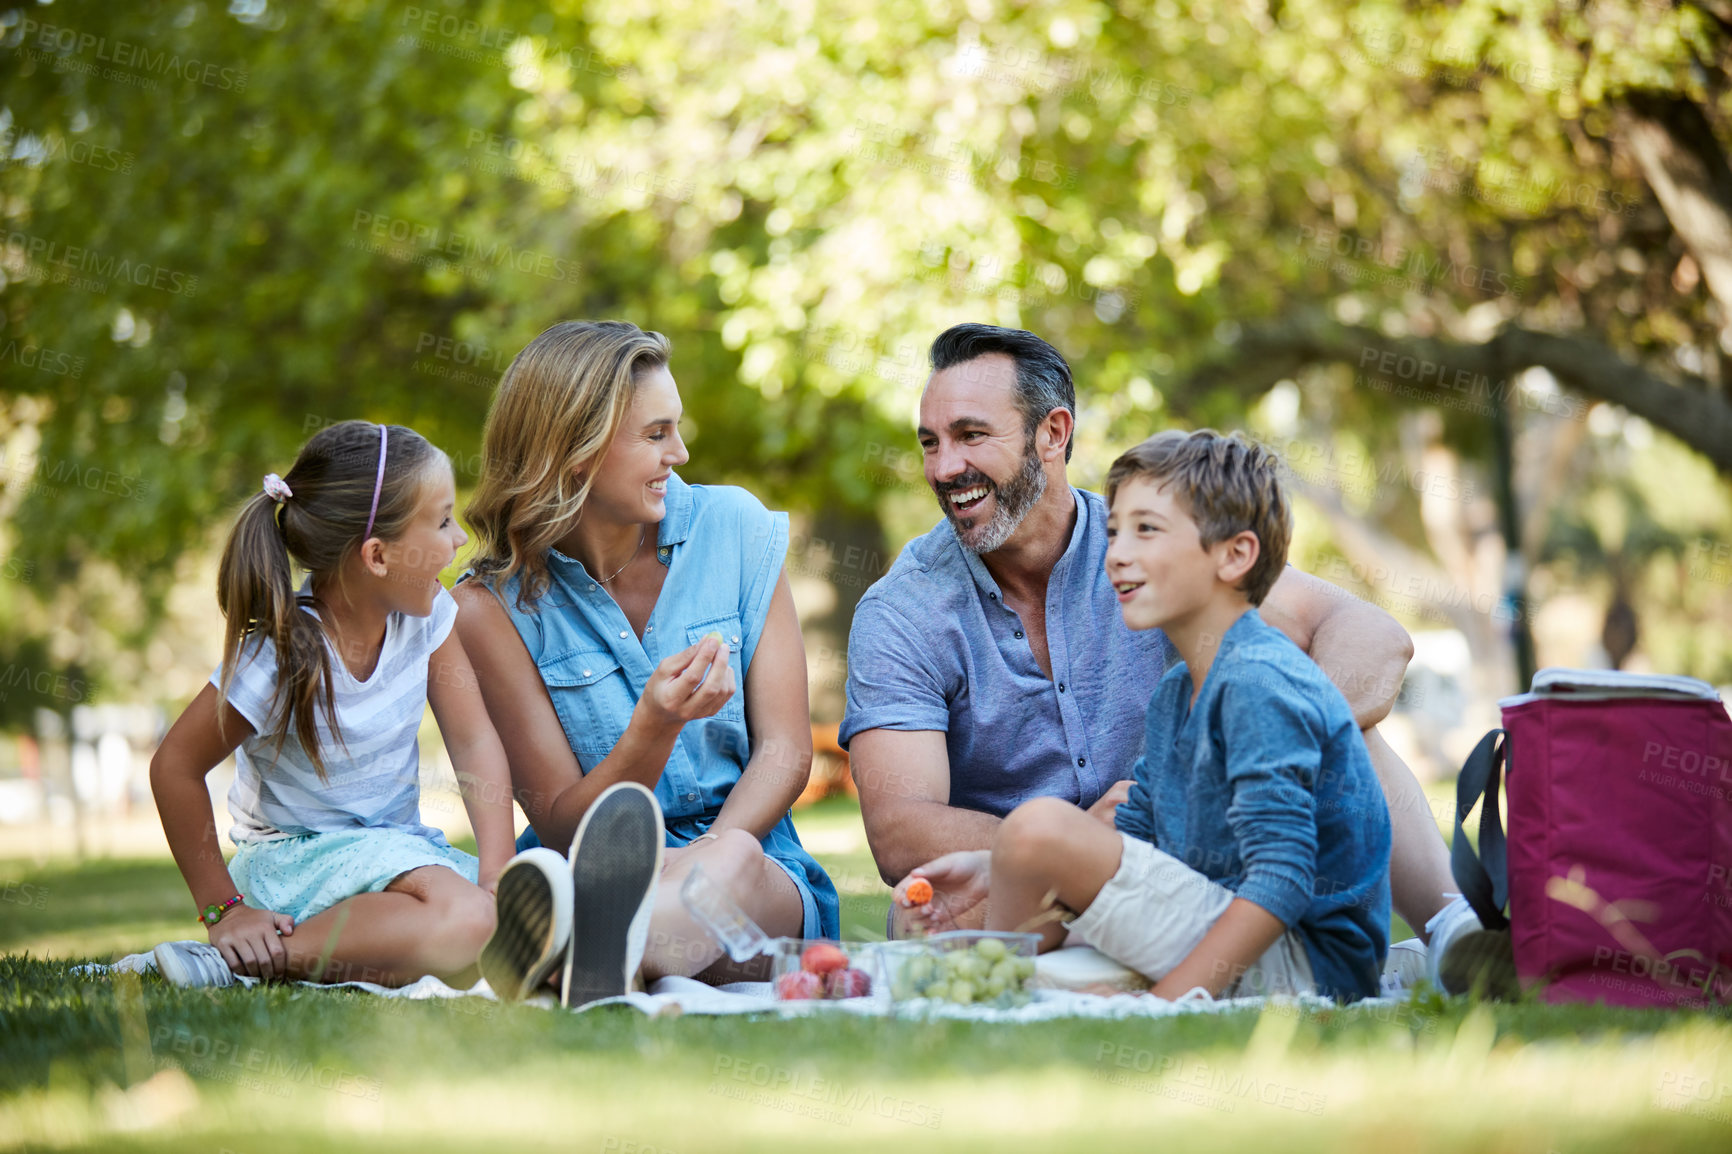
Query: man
(991, 664)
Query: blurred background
(1467, 266)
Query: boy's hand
(1106, 809)
(959, 883)
(250, 941)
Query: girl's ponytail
(347, 479)
(256, 591)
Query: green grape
(994, 987)
(962, 993)
(991, 949)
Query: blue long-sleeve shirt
(1265, 787)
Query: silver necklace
(628, 560)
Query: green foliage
(364, 210)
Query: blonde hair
(325, 517)
(1228, 484)
(556, 410)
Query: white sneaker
(190, 965)
(532, 927)
(1444, 928)
(616, 862)
(1405, 965)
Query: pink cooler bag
(1617, 868)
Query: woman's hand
(959, 883)
(250, 941)
(691, 684)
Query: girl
(319, 695)
(631, 628)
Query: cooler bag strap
(1483, 877)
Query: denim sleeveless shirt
(724, 552)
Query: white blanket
(684, 996)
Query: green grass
(122, 1064)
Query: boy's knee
(1032, 831)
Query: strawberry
(849, 983)
(823, 958)
(799, 986)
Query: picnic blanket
(670, 996)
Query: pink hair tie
(277, 489)
(378, 480)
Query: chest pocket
(728, 626)
(593, 700)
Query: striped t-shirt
(372, 776)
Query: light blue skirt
(306, 875)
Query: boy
(1252, 855)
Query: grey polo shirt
(934, 647)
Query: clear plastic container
(964, 967)
(813, 969)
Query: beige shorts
(1156, 909)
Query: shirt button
(691, 797)
(623, 634)
(649, 628)
(663, 550)
(1019, 635)
(992, 597)
(587, 673)
(1081, 761)
(736, 639)
(592, 586)
(1061, 687)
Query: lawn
(122, 1064)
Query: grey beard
(1013, 499)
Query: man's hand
(250, 941)
(1106, 809)
(959, 883)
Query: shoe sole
(615, 860)
(1482, 960)
(182, 972)
(524, 947)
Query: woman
(628, 627)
